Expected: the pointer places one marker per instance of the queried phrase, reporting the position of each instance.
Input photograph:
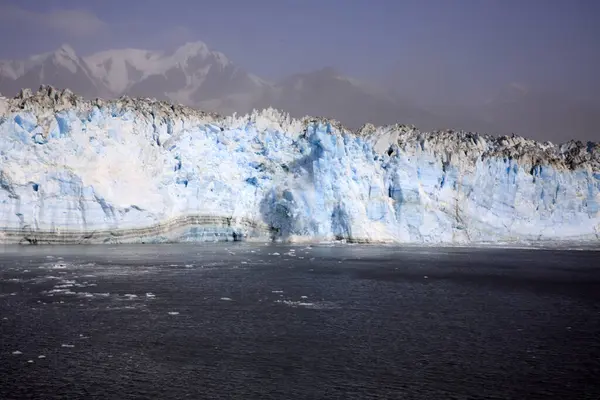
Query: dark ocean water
(249, 321)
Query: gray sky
(433, 51)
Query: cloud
(69, 22)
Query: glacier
(146, 171)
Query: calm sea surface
(255, 321)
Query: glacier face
(73, 171)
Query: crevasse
(76, 171)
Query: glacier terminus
(139, 170)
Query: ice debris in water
(295, 303)
(17, 352)
(173, 313)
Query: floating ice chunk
(30, 361)
(41, 356)
(294, 303)
(60, 291)
(66, 285)
(226, 299)
(17, 352)
(275, 254)
(68, 346)
(321, 305)
(130, 296)
(276, 291)
(173, 313)
(150, 295)
(304, 297)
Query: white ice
(123, 166)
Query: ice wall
(73, 171)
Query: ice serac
(133, 170)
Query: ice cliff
(133, 170)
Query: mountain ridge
(195, 75)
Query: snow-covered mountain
(197, 76)
(61, 68)
(137, 170)
(191, 74)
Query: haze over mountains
(197, 76)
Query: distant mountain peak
(192, 49)
(66, 50)
(220, 58)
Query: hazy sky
(462, 50)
